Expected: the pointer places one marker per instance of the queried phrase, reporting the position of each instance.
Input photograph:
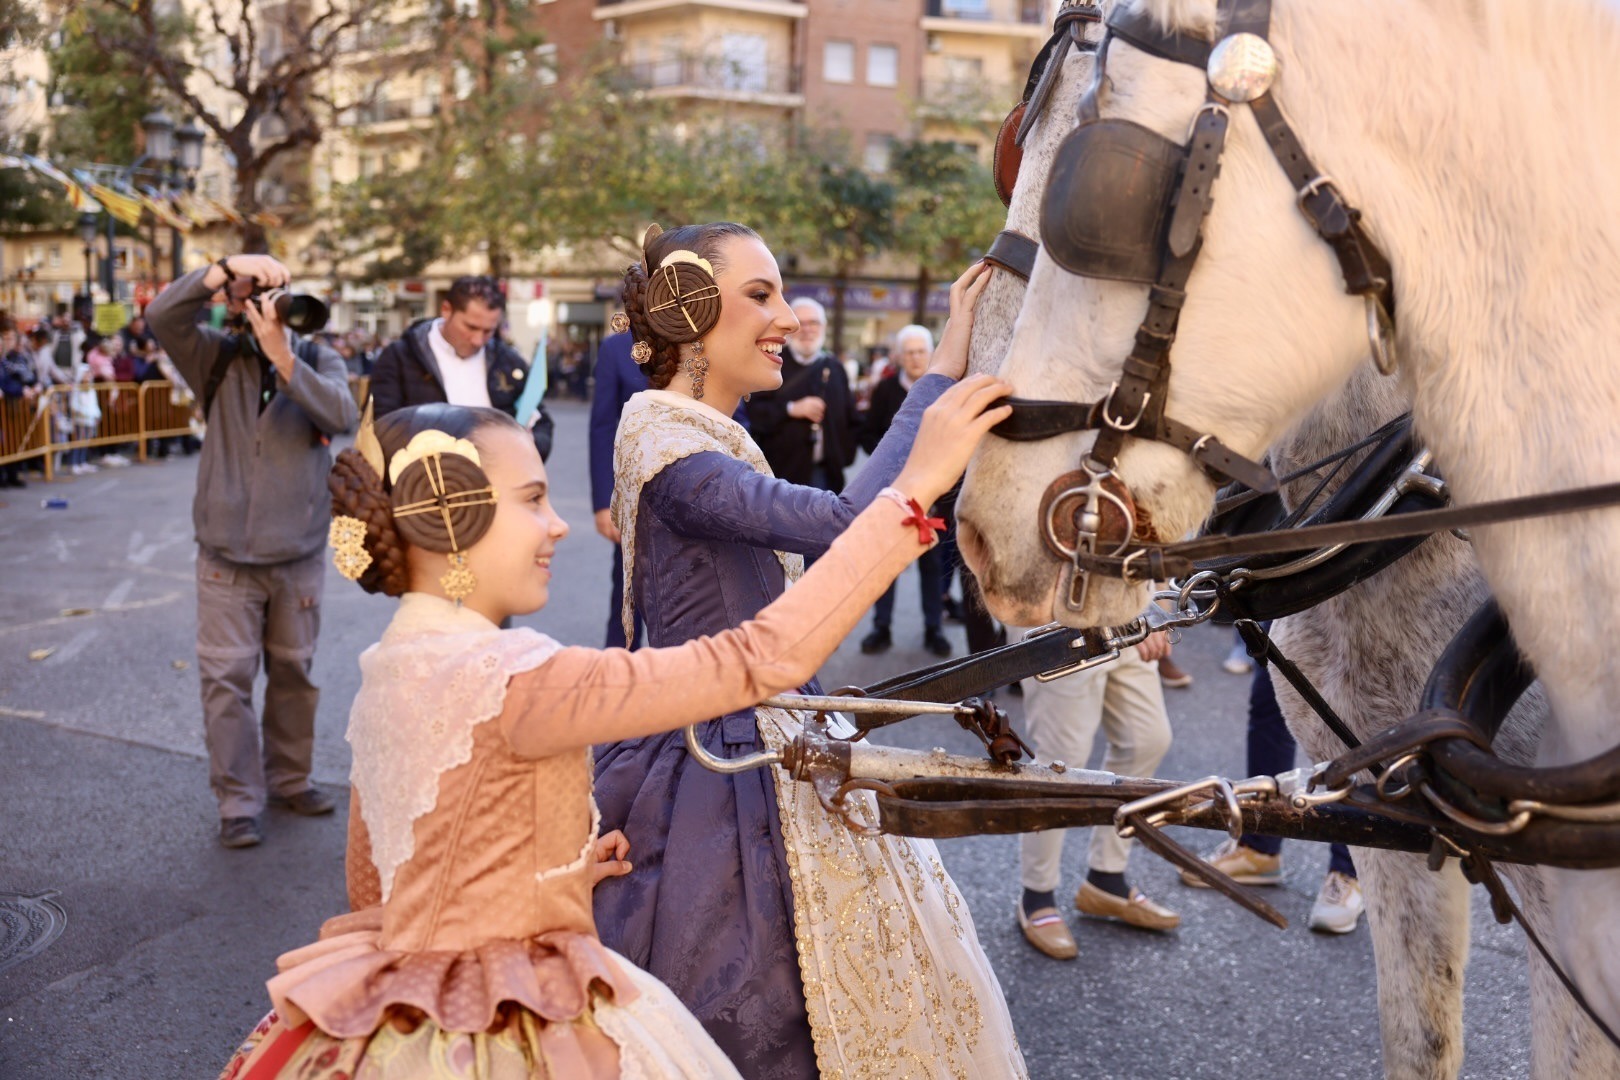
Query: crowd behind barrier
(63, 422)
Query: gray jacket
(261, 485)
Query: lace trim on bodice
(438, 672)
(657, 429)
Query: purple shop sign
(868, 297)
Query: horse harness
(1124, 203)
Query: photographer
(261, 515)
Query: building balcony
(386, 41)
(625, 9)
(1004, 18)
(967, 102)
(719, 80)
(390, 115)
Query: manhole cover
(28, 925)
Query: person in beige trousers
(1126, 699)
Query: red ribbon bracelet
(927, 527)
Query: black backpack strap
(229, 350)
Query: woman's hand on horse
(951, 356)
(951, 428)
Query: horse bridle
(1124, 203)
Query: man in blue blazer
(618, 378)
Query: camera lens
(302, 313)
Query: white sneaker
(1237, 661)
(1338, 906)
(115, 460)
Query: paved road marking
(22, 714)
(76, 645)
(119, 594)
(133, 605)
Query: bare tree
(268, 58)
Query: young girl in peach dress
(474, 844)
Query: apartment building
(862, 62)
(976, 57)
(736, 59)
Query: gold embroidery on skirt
(866, 912)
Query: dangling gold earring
(458, 581)
(697, 366)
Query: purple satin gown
(709, 908)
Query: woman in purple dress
(803, 949)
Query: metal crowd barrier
(131, 414)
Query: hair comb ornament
(641, 352)
(619, 323)
(682, 255)
(431, 443)
(365, 442)
(348, 539)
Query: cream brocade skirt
(895, 982)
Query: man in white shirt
(457, 358)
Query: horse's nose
(973, 545)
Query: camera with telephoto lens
(298, 312)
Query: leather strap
(1413, 733)
(980, 673)
(1013, 252)
(1178, 559)
(1172, 852)
(1198, 179)
(1032, 421)
(1265, 651)
(1132, 24)
(1365, 268)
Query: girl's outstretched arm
(585, 696)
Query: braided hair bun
(357, 492)
(683, 302)
(671, 297)
(453, 475)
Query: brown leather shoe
(1172, 675)
(1137, 911)
(1047, 931)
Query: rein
(1159, 562)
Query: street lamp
(188, 149)
(159, 135)
(87, 233)
(188, 152)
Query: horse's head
(1266, 330)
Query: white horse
(1368, 650)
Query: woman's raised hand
(951, 428)
(951, 354)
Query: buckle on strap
(1123, 426)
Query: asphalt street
(169, 938)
